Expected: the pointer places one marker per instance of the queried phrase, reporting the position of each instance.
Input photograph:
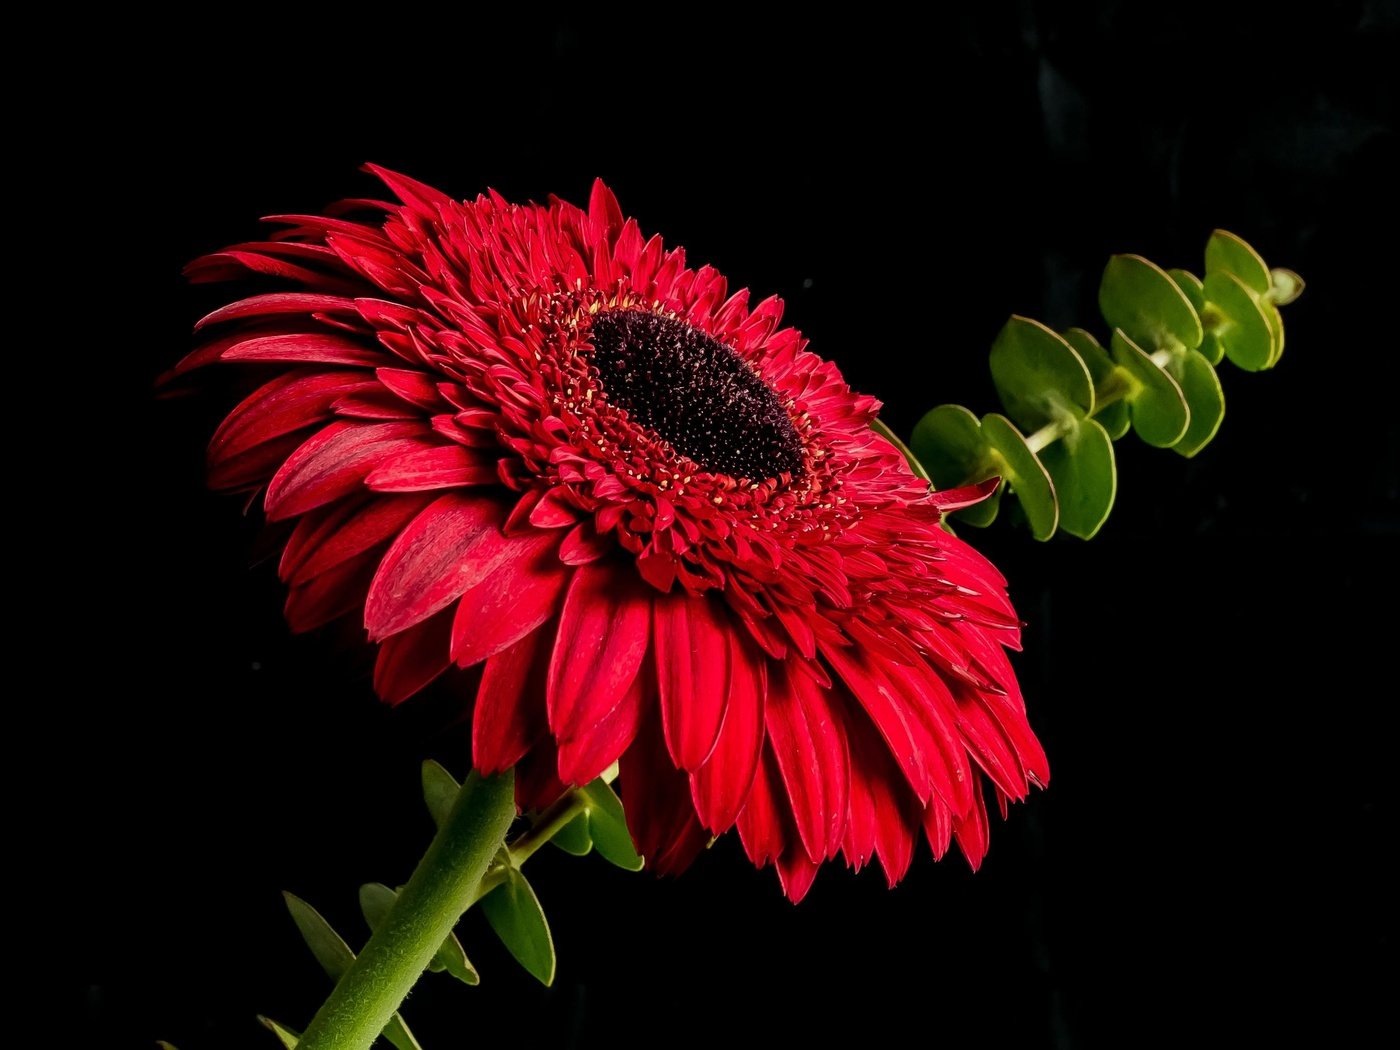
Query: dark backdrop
(1208, 675)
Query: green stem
(523, 846)
(1048, 434)
(443, 886)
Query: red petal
(312, 347)
(510, 717)
(522, 593)
(330, 595)
(584, 544)
(332, 463)
(254, 468)
(603, 635)
(656, 797)
(416, 388)
(692, 668)
(949, 500)
(583, 758)
(761, 823)
(951, 774)
(453, 544)
(721, 786)
(907, 737)
(374, 523)
(604, 214)
(972, 831)
(796, 873)
(423, 199)
(537, 785)
(410, 660)
(287, 403)
(808, 741)
(278, 303)
(938, 827)
(446, 466)
(553, 511)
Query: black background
(1209, 675)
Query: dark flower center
(696, 393)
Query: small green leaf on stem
(375, 901)
(335, 958)
(573, 837)
(440, 790)
(607, 825)
(326, 945)
(515, 914)
(287, 1036)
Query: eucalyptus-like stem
(443, 886)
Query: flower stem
(443, 886)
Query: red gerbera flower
(530, 438)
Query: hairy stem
(443, 886)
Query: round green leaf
(1112, 416)
(1212, 349)
(1190, 286)
(1158, 408)
(1086, 478)
(1228, 252)
(1037, 374)
(515, 914)
(1025, 475)
(1284, 286)
(1138, 297)
(948, 441)
(1201, 388)
(1243, 330)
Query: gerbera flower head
(530, 438)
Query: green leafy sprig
(587, 819)
(1067, 398)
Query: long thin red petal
(604, 629)
(523, 592)
(721, 786)
(510, 718)
(656, 797)
(410, 660)
(692, 671)
(453, 544)
(443, 467)
(332, 463)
